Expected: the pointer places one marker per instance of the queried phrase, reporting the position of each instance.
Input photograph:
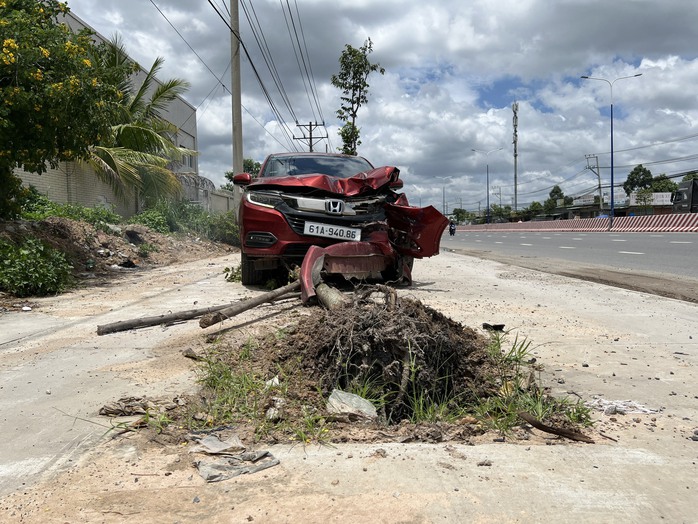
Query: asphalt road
(658, 263)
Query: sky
(443, 110)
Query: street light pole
(610, 83)
(487, 154)
(443, 193)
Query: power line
(265, 92)
(219, 81)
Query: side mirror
(242, 179)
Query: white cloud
(453, 70)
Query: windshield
(335, 166)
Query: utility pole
(309, 139)
(515, 107)
(236, 88)
(597, 173)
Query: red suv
(305, 199)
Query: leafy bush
(33, 269)
(224, 228)
(187, 217)
(153, 219)
(38, 207)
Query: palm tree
(135, 157)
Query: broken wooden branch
(562, 432)
(330, 297)
(244, 305)
(125, 325)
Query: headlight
(263, 199)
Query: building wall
(76, 183)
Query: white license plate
(351, 234)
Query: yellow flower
(9, 43)
(74, 83)
(38, 75)
(87, 62)
(44, 52)
(71, 48)
(94, 82)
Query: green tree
(644, 199)
(136, 156)
(54, 102)
(500, 212)
(551, 203)
(639, 178)
(248, 166)
(534, 209)
(690, 176)
(462, 216)
(354, 69)
(663, 184)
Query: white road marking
(679, 242)
(618, 240)
(630, 253)
(567, 247)
(525, 244)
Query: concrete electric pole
(235, 87)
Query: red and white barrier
(677, 223)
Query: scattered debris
(231, 459)
(353, 406)
(224, 468)
(127, 406)
(213, 445)
(619, 407)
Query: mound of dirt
(401, 349)
(97, 252)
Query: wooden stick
(227, 310)
(124, 325)
(244, 305)
(567, 433)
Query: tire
(250, 275)
(395, 274)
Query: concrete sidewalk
(598, 342)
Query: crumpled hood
(358, 184)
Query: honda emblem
(334, 207)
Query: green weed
(33, 269)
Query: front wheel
(250, 275)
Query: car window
(336, 166)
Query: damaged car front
(338, 204)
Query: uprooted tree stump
(400, 348)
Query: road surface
(661, 263)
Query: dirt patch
(424, 373)
(98, 256)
